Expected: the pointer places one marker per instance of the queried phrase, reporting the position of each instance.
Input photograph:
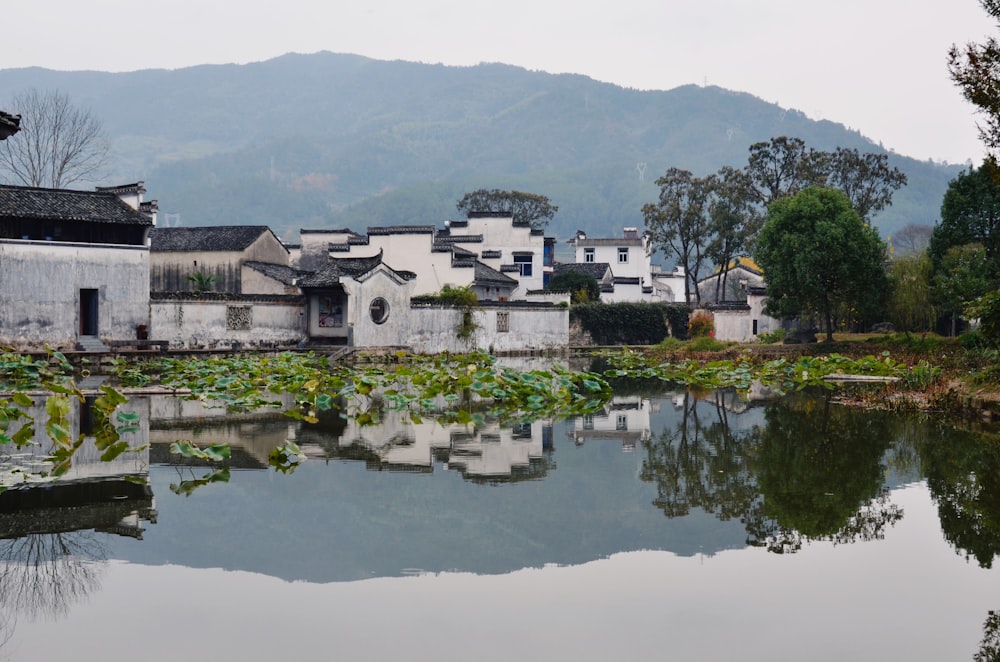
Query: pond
(669, 525)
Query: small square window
(588, 255)
(621, 423)
(622, 255)
(503, 321)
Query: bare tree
(58, 144)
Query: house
(499, 258)
(215, 258)
(743, 321)
(634, 277)
(357, 301)
(599, 271)
(732, 286)
(74, 265)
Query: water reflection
(810, 470)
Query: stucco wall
(193, 323)
(40, 285)
(433, 329)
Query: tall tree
(975, 68)
(782, 166)
(970, 213)
(59, 143)
(679, 222)
(867, 179)
(734, 221)
(530, 208)
(960, 278)
(819, 257)
(911, 302)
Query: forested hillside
(330, 140)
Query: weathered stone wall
(246, 322)
(40, 284)
(434, 329)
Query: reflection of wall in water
(87, 463)
(625, 418)
(398, 444)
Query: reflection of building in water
(109, 496)
(251, 436)
(625, 418)
(489, 452)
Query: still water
(671, 526)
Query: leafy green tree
(970, 213)
(960, 279)
(819, 256)
(975, 68)
(530, 208)
(680, 224)
(911, 301)
(583, 288)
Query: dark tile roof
(217, 238)
(279, 272)
(9, 124)
(486, 275)
(336, 267)
(64, 204)
(598, 270)
(446, 238)
(402, 229)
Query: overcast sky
(877, 66)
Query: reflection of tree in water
(813, 472)
(963, 474)
(989, 647)
(44, 574)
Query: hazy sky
(877, 66)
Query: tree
(679, 222)
(583, 288)
(866, 179)
(782, 166)
(911, 305)
(975, 68)
(528, 208)
(970, 213)
(734, 221)
(960, 279)
(819, 256)
(912, 239)
(58, 144)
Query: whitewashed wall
(434, 329)
(197, 323)
(40, 285)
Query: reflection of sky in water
(359, 555)
(866, 601)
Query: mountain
(334, 140)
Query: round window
(379, 310)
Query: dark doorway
(88, 312)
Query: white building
(634, 277)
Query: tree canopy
(583, 288)
(530, 208)
(970, 213)
(820, 258)
(59, 143)
(975, 68)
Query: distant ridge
(337, 140)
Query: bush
(704, 344)
(770, 337)
(630, 323)
(701, 324)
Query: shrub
(630, 323)
(701, 323)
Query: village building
(633, 276)
(74, 266)
(219, 259)
(736, 299)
